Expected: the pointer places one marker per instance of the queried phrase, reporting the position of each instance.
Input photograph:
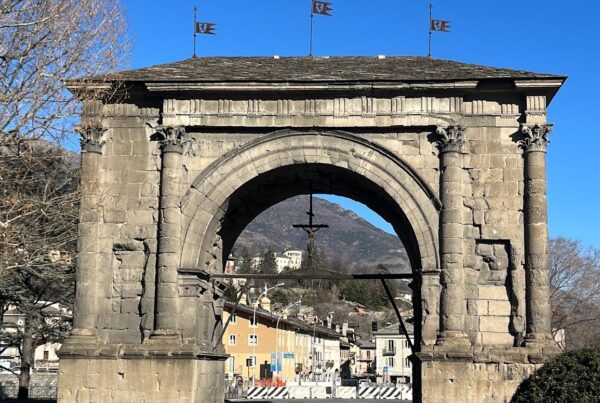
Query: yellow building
(284, 344)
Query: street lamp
(256, 327)
(277, 329)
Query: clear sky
(549, 36)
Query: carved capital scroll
(450, 139)
(92, 138)
(172, 139)
(535, 138)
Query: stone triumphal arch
(185, 155)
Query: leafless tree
(575, 297)
(39, 210)
(43, 45)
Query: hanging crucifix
(310, 229)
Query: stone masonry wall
(42, 386)
(493, 188)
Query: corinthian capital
(172, 139)
(92, 138)
(535, 138)
(450, 138)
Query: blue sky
(545, 36)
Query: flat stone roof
(322, 69)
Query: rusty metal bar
(292, 276)
(402, 327)
(242, 292)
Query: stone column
(88, 270)
(169, 227)
(452, 304)
(534, 143)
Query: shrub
(571, 377)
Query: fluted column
(88, 270)
(169, 227)
(534, 142)
(452, 307)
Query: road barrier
(345, 392)
(368, 392)
(268, 392)
(403, 392)
(390, 393)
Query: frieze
(362, 110)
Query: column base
(542, 342)
(142, 373)
(451, 338)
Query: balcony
(389, 352)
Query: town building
(392, 352)
(295, 256)
(264, 345)
(290, 259)
(283, 262)
(365, 359)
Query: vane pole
(312, 17)
(195, 21)
(430, 10)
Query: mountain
(349, 236)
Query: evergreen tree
(231, 293)
(268, 264)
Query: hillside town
(275, 344)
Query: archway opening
(284, 183)
(277, 185)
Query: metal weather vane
(436, 25)
(321, 8)
(202, 28)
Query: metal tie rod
(316, 276)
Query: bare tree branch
(575, 295)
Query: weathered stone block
(493, 292)
(115, 216)
(499, 308)
(497, 324)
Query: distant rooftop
(394, 329)
(323, 69)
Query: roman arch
(174, 168)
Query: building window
(252, 339)
(368, 354)
(391, 345)
(390, 361)
(253, 321)
(406, 344)
(233, 319)
(407, 362)
(231, 364)
(232, 339)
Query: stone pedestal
(472, 375)
(118, 374)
